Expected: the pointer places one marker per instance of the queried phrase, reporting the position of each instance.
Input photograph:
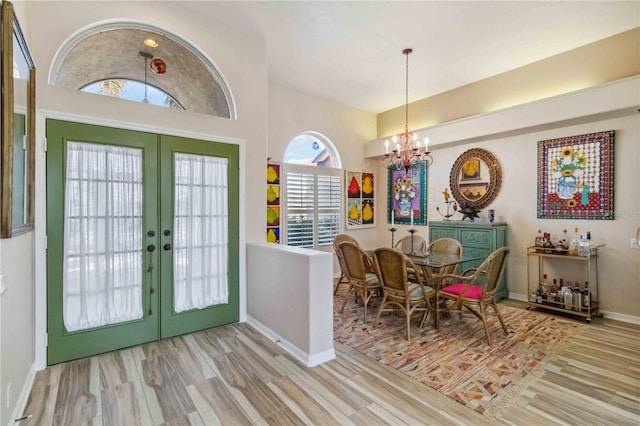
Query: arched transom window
(144, 64)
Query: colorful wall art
(408, 195)
(360, 203)
(575, 177)
(273, 203)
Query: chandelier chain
(406, 152)
(406, 93)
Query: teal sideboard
(478, 239)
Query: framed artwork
(360, 200)
(408, 195)
(273, 203)
(473, 191)
(575, 177)
(471, 169)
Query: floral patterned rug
(456, 360)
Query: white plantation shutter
(313, 203)
(328, 208)
(300, 205)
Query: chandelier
(406, 150)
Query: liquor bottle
(583, 245)
(568, 299)
(586, 296)
(573, 245)
(539, 294)
(576, 296)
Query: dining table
(435, 265)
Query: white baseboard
(632, 319)
(621, 317)
(518, 296)
(296, 352)
(21, 402)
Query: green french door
(142, 237)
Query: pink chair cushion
(474, 292)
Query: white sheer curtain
(201, 219)
(102, 277)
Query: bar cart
(591, 275)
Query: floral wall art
(360, 200)
(575, 177)
(408, 195)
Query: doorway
(142, 237)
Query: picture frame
(576, 177)
(479, 192)
(17, 139)
(273, 190)
(407, 192)
(359, 200)
(470, 169)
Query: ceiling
(351, 52)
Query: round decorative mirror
(475, 178)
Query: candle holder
(412, 231)
(393, 230)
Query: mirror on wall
(18, 129)
(475, 178)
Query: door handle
(151, 233)
(167, 247)
(151, 248)
(167, 232)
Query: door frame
(40, 230)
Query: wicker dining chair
(419, 244)
(476, 292)
(444, 246)
(398, 290)
(356, 269)
(340, 238)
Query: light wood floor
(232, 375)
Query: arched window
(312, 149)
(313, 191)
(173, 73)
(133, 91)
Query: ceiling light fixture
(406, 147)
(150, 42)
(146, 57)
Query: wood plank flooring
(232, 375)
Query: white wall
(16, 319)
(292, 112)
(290, 292)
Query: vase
(405, 207)
(566, 187)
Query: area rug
(456, 360)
